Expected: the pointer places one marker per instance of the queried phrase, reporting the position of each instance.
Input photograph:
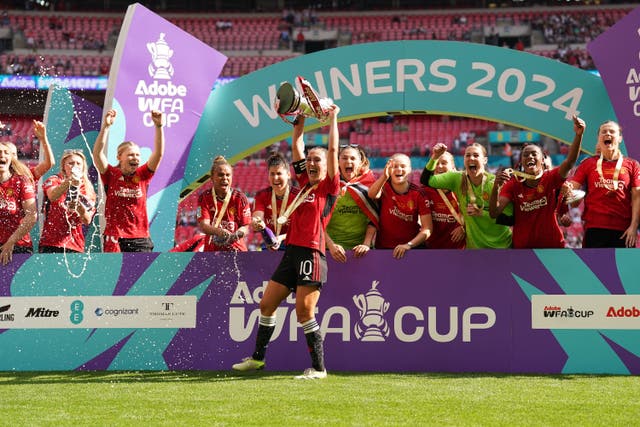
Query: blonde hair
(86, 182)
(218, 162)
(398, 156)
(17, 166)
(124, 145)
(451, 159)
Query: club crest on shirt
(136, 179)
(540, 188)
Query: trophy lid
(289, 99)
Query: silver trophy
(290, 102)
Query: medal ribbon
(470, 194)
(219, 214)
(274, 209)
(451, 208)
(300, 197)
(616, 173)
(523, 174)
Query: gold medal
(282, 220)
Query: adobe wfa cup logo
(160, 67)
(372, 325)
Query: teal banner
(404, 77)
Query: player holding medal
(224, 212)
(612, 202)
(303, 268)
(271, 203)
(533, 193)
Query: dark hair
(277, 160)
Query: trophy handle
(291, 122)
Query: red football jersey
(13, 193)
(238, 214)
(399, 214)
(63, 228)
(126, 202)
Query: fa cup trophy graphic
(160, 68)
(372, 307)
(290, 102)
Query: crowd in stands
(565, 35)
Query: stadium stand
(81, 44)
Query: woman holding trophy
(303, 268)
(533, 193)
(612, 201)
(69, 204)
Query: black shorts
(301, 266)
(603, 238)
(54, 250)
(22, 249)
(141, 244)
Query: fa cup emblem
(160, 67)
(372, 307)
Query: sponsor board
(585, 312)
(167, 311)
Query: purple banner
(433, 311)
(158, 66)
(377, 314)
(615, 53)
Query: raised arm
(158, 142)
(297, 139)
(334, 140)
(574, 149)
(436, 152)
(45, 148)
(497, 203)
(375, 191)
(99, 147)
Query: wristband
(410, 244)
(431, 164)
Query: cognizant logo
(372, 318)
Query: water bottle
(270, 239)
(72, 193)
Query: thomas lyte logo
(372, 325)
(161, 53)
